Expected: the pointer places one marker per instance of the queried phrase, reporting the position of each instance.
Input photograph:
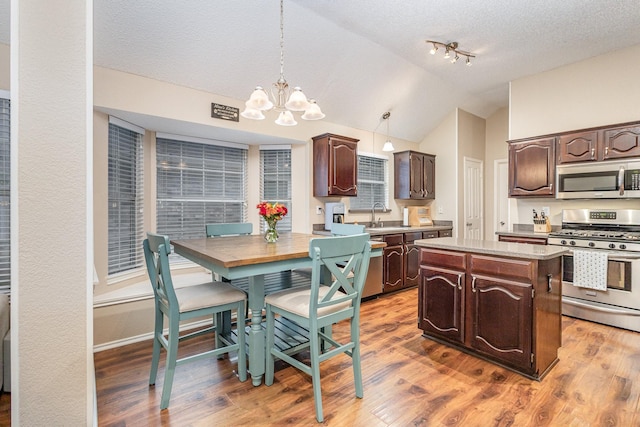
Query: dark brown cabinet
(393, 262)
(578, 147)
(414, 175)
(503, 309)
(411, 259)
(532, 167)
(441, 295)
(335, 165)
(621, 142)
(445, 233)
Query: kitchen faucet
(373, 214)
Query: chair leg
(155, 358)
(242, 352)
(314, 350)
(172, 354)
(270, 361)
(355, 356)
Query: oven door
(619, 305)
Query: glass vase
(271, 235)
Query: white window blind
(372, 182)
(275, 182)
(126, 227)
(5, 207)
(198, 184)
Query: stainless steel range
(610, 240)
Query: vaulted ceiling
(358, 58)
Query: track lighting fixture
(451, 51)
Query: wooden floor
(408, 381)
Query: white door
(473, 195)
(501, 196)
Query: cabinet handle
(549, 288)
(593, 151)
(460, 282)
(473, 284)
(606, 151)
(551, 187)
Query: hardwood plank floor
(408, 380)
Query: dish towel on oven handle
(590, 269)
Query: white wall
(497, 134)
(4, 66)
(51, 213)
(599, 91)
(471, 144)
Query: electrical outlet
(318, 210)
(440, 210)
(546, 211)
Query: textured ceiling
(358, 58)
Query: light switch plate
(318, 210)
(546, 211)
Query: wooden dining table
(250, 256)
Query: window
(372, 182)
(275, 181)
(198, 183)
(126, 228)
(5, 206)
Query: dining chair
(339, 229)
(316, 307)
(207, 299)
(228, 229)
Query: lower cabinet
(503, 309)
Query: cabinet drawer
(514, 269)
(429, 234)
(394, 239)
(413, 236)
(445, 233)
(434, 257)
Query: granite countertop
(490, 247)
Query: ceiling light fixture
(283, 99)
(388, 146)
(451, 51)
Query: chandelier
(283, 99)
(451, 51)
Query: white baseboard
(148, 336)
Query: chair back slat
(229, 229)
(156, 253)
(339, 229)
(340, 256)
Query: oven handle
(621, 180)
(599, 308)
(618, 257)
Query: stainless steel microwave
(598, 180)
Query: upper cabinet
(532, 167)
(621, 141)
(335, 165)
(415, 175)
(616, 142)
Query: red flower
(272, 212)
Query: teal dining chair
(207, 299)
(228, 229)
(339, 229)
(317, 307)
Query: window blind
(275, 182)
(372, 182)
(126, 227)
(5, 202)
(198, 184)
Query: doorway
(473, 198)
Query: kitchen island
(500, 301)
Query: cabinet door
(440, 294)
(416, 176)
(621, 142)
(429, 177)
(500, 319)
(578, 147)
(393, 270)
(343, 167)
(411, 265)
(532, 168)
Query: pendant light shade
(388, 146)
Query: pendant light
(388, 146)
